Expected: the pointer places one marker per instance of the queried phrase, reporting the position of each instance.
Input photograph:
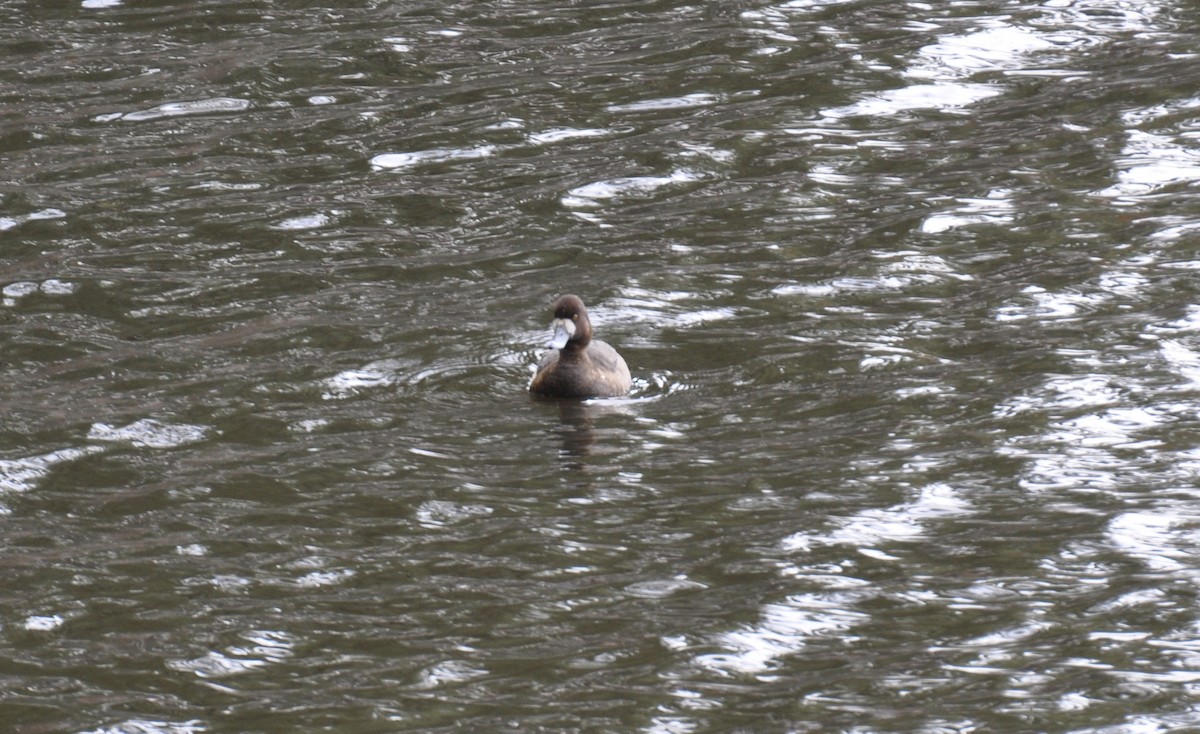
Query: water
(908, 291)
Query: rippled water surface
(909, 292)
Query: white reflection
(598, 194)
(351, 382)
(44, 623)
(900, 271)
(1000, 645)
(180, 109)
(307, 221)
(1151, 162)
(1179, 228)
(10, 222)
(216, 665)
(779, 16)
(1101, 16)
(664, 309)
(811, 4)
(1184, 361)
(400, 44)
(924, 267)
(20, 475)
(944, 96)
(1045, 305)
(995, 208)
(1114, 427)
(438, 513)
(314, 579)
(782, 629)
(1064, 392)
(591, 195)
(1077, 470)
(904, 522)
(660, 588)
(671, 725)
(266, 646)
(700, 99)
(1124, 281)
(1157, 723)
(449, 672)
(1002, 47)
(148, 433)
(1163, 542)
(1077, 453)
(55, 287)
(1131, 600)
(19, 289)
(149, 726)
(401, 161)
(700, 150)
(560, 135)
(1188, 323)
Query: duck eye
(575, 317)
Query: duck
(578, 366)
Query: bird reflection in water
(579, 437)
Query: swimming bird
(578, 366)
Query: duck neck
(573, 350)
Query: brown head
(571, 324)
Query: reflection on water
(906, 291)
(576, 433)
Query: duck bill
(563, 331)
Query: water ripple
(448, 672)
(180, 109)
(11, 222)
(21, 475)
(907, 292)
(439, 513)
(1165, 543)
(996, 207)
(687, 101)
(266, 647)
(151, 726)
(148, 433)
(402, 161)
(898, 524)
(1150, 163)
(784, 628)
(618, 190)
(943, 96)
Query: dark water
(908, 290)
